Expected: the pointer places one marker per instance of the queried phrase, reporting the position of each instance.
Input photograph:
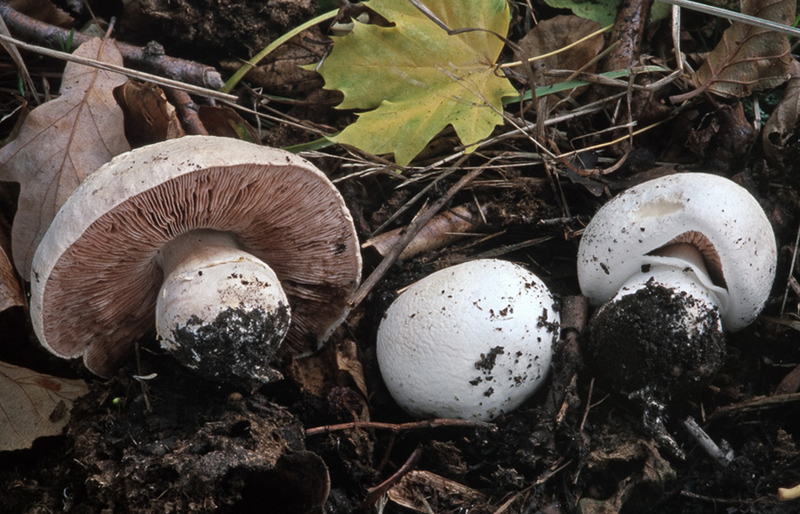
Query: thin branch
(150, 57)
(395, 428)
(119, 69)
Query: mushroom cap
(471, 341)
(620, 240)
(95, 278)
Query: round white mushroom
(472, 341)
(228, 237)
(671, 263)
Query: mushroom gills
(220, 311)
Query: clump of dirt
(174, 442)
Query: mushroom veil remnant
(671, 263)
(225, 246)
(472, 341)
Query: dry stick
(378, 491)
(721, 456)
(395, 428)
(149, 57)
(187, 111)
(412, 230)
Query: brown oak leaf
(60, 143)
(33, 405)
(748, 58)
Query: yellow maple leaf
(417, 78)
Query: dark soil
(158, 438)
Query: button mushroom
(227, 238)
(471, 341)
(672, 263)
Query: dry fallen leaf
(60, 143)
(748, 58)
(424, 491)
(555, 33)
(33, 405)
(781, 124)
(149, 117)
(11, 294)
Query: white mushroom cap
(625, 235)
(471, 341)
(95, 276)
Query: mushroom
(472, 341)
(672, 263)
(215, 241)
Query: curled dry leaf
(781, 124)
(440, 231)
(748, 58)
(60, 143)
(149, 117)
(11, 294)
(33, 405)
(424, 491)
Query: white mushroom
(471, 341)
(673, 262)
(227, 237)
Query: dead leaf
(225, 122)
(748, 58)
(33, 405)
(781, 124)
(149, 117)
(43, 10)
(555, 33)
(424, 491)
(60, 143)
(11, 294)
(440, 231)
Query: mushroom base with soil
(221, 311)
(657, 336)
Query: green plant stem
(252, 63)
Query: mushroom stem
(220, 311)
(685, 252)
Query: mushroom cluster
(671, 263)
(230, 249)
(472, 341)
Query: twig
(720, 456)
(412, 231)
(150, 57)
(118, 69)
(395, 428)
(378, 491)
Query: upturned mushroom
(224, 245)
(672, 263)
(472, 341)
